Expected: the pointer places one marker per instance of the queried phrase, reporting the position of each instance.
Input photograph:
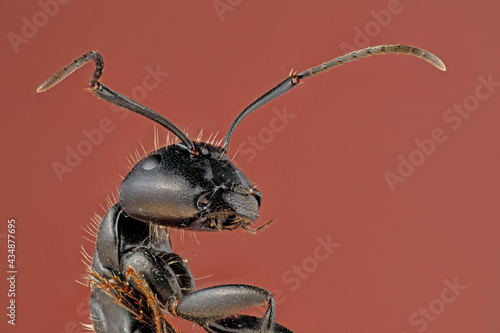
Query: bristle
(234, 156)
(103, 208)
(213, 139)
(198, 139)
(130, 165)
(204, 277)
(90, 231)
(137, 156)
(144, 150)
(92, 228)
(219, 143)
(95, 222)
(109, 202)
(156, 139)
(82, 283)
(195, 238)
(90, 240)
(87, 257)
(132, 161)
(88, 327)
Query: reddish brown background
(321, 176)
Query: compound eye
(151, 162)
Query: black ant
(136, 279)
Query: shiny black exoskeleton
(172, 187)
(137, 281)
(205, 191)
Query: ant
(137, 281)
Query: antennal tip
(50, 82)
(73, 66)
(43, 87)
(441, 65)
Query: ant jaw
(231, 222)
(253, 231)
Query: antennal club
(102, 91)
(294, 79)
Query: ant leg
(212, 308)
(165, 274)
(241, 324)
(167, 282)
(115, 307)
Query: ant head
(203, 191)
